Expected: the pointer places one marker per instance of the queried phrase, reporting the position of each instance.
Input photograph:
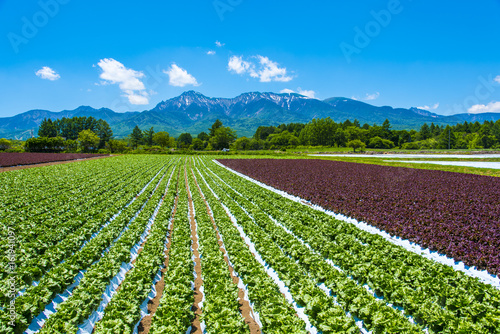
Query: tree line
(326, 132)
(87, 134)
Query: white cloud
(428, 108)
(309, 93)
(497, 79)
(268, 70)
(211, 53)
(219, 44)
(179, 77)
(114, 72)
(47, 73)
(238, 65)
(141, 98)
(371, 97)
(481, 108)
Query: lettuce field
(174, 244)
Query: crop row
(452, 213)
(41, 221)
(34, 258)
(62, 275)
(220, 311)
(87, 296)
(70, 249)
(274, 312)
(434, 294)
(123, 312)
(30, 190)
(306, 270)
(174, 315)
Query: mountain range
(193, 112)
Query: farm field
(175, 244)
(454, 214)
(420, 163)
(16, 159)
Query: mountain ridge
(194, 112)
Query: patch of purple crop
(17, 159)
(453, 213)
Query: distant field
(20, 159)
(321, 149)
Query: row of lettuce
(51, 224)
(71, 243)
(291, 260)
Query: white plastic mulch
(412, 156)
(476, 164)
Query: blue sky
(128, 55)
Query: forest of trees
(87, 134)
(326, 132)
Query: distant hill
(193, 112)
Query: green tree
(256, 144)
(47, 129)
(71, 145)
(377, 142)
(184, 140)
(425, 132)
(223, 137)
(488, 141)
(283, 139)
(88, 140)
(171, 142)
(147, 136)
(319, 132)
(117, 146)
(104, 133)
(242, 144)
(356, 144)
(473, 141)
(447, 138)
(161, 138)
(198, 144)
(5, 144)
(386, 129)
(136, 137)
(214, 127)
(352, 133)
(203, 136)
(263, 132)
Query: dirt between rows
(245, 309)
(198, 282)
(7, 169)
(153, 304)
